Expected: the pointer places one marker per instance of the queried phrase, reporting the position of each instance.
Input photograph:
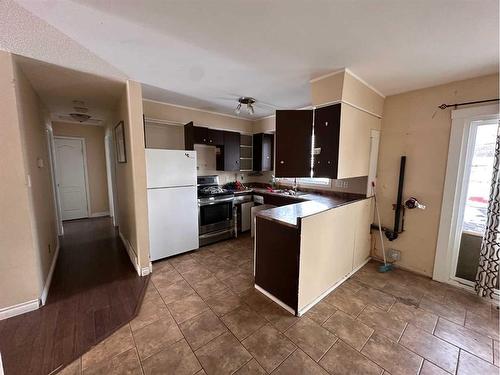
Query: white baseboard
(99, 214)
(21, 308)
(278, 301)
(48, 280)
(332, 288)
(147, 270)
(323, 295)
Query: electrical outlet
(394, 255)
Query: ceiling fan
(248, 104)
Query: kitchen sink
(289, 192)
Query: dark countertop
(312, 204)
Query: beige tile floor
(201, 315)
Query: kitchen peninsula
(304, 250)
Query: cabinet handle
(267, 157)
(210, 141)
(204, 140)
(326, 123)
(282, 162)
(319, 162)
(329, 162)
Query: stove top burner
(212, 191)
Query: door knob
(282, 162)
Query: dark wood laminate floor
(95, 290)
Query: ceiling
(206, 54)
(58, 87)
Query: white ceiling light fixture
(80, 117)
(248, 101)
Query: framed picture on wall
(121, 153)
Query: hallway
(94, 291)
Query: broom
(386, 267)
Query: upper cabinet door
(263, 152)
(267, 152)
(215, 137)
(293, 143)
(326, 141)
(231, 151)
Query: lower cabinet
(362, 235)
(333, 244)
(277, 249)
(298, 265)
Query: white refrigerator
(172, 202)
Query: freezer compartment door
(170, 168)
(173, 221)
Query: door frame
(111, 176)
(458, 155)
(55, 190)
(85, 172)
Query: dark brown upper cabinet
(201, 135)
(215, 137)
(293, 143)
(326, 141)
(189, 136)
(342, 142)
(263, 152)
(228, 157)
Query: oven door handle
(215, 201)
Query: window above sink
(307, 181)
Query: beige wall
(327, 89)
(96, 161)
(16, 238)
(33, 119)
(413, 126)
(265, 125)
(166, 112)
(131, 176)
(359, 94)
(170, 137)
(28, 235)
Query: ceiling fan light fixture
(248, 101)
(80, 117)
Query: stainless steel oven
(215, 211)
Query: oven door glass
(216, 213)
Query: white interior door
(71, 178)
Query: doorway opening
(466, 194)
(474, 199)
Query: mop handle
(379, 223)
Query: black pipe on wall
(393, 234)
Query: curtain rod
(444, 106)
